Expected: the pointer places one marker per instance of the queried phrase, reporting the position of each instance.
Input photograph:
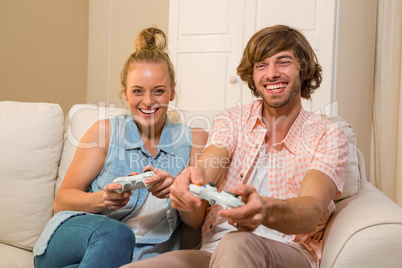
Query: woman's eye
(159, 91)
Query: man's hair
(271, 40)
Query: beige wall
(44, 51)
(46, 47)
(355, 69)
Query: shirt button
(210, 227)
(241, 175)
(256, 146)
(169, 211)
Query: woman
(144, 139)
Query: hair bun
(151, 38)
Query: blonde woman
(97, 227)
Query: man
(287, 165)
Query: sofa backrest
(31, 140)
(82, 116)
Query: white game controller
(209, 192)
(134, 182)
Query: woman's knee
(115, 231)
(103, 231)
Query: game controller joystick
(209, 192)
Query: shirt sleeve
(331, 152)
(223, 131)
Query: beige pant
(236, 249)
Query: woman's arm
(87, 164)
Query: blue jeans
(89, 241)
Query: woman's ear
(124, 91)
(173, 94)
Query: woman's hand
(113, 200)
(161, 182)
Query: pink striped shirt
(311, 143)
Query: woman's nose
(148, 99)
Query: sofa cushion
(31, 140)
(15, 257)
(79, 119)
(352, 180)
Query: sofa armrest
(364, 231)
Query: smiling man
(288, 165)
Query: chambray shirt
(126, 154)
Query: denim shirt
(126, 154)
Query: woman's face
(148, 92)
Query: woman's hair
(271, 40)
(150, 46)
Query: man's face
(277, 79)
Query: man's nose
(272, 72)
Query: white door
(206, 41)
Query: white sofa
(37, 145)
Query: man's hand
(181, 197)
(249, 216)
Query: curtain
(386, 154)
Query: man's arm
(302, 214)
(291, 216)
(211, 166)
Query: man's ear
(173, 94)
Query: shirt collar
(134, 139)
(292, 138)
(256, 114)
